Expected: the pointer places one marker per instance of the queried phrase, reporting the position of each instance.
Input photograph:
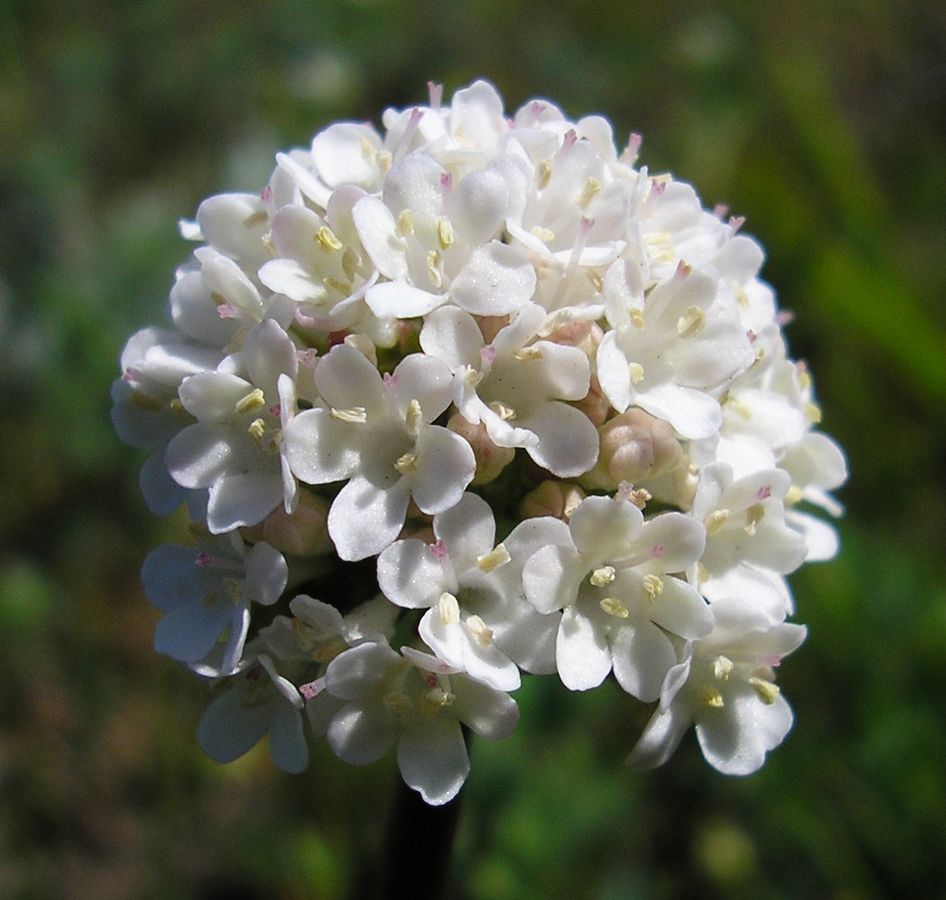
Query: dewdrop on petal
(494, 387)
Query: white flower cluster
(488, 370)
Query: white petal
(735, 739)
(642, 656)
(266, 574)
(568, 441)
(692, 413)
(229, 728)
(409, 575)
(675, 541)
(467, 529)
(339, 154)
(681, 610)
(496, 281)
(287, 745)
(378, 232)
(286, 276)
(355, 673)
(398, 299)
(425, 379)
(445, 466)
(364, 519)
(190, 632)
(171, 578)
(267, 353)
(361, 734)
(479, 204)
(613, 373)
(320, 448)
(234, 224)
(660, 738)
(242, 499)
(161, 493)
(551, 578)
(490, 713)
(581, 652)
(605, 529)
(347, 379)
(821, 537)
(199, 455)
(433, 760)
(452, 335)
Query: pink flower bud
(301, 533)
(490, 459)
(552, 498)
(636, 446)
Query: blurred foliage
(823, 124)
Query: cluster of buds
(464, 398)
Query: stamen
(711, 697)
(637, 318)
(253, 400)
(691, 322)
(326, 239)
(414, 416)
(444, 233)
(591, 188)
(543, 174)
(767, 691)
(754, 515)
(435, 267)
(528, 353)
(722, 667)
(506, 413)
(813, 413)
(496, 558)
(653, 586)
(405, 223)
(543, 233)
(482, 634)
(602, 576)
(716, 520)
(406, 464)
(636, 371)
(355, 415)
(257, 430)
(794, 495)
(614, 607)
(448, 608)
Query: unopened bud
(594, 404)
(578, 333)
(490, 459)
(636, 446)
(304, 532)
(490, 326)
(557, 499)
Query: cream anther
(711, 697)
(542, 233)
(439, 698)
(794, 495)
(754, 515)
(602, 576)
(528, 353)
(253, 400)
(813, 413)
(435, 267)
(691, 322)
(614, 607)
(496, 557)
(406, 463)
(502, 410)
(257, 430)
(444, 233)
(637, 317)
(356, 415)
(405, 223)
(722, 667)
(477, 627)
(414, 416)
(767, 691)
(636, 371)
(653, 586)
(591, 189)
(448, 609)
(716, 520)
(336, 284)
(326, 239)
(543, 174)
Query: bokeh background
(823, 124)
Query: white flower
(235, 447)
(475, 619)
(206, 593)
(672, 350)
(726, 685)
(416, 702)
(377, 434)
(516, 386)
(619, 600)
(258, 702)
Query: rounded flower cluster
(464, 398)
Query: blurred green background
(823, 124)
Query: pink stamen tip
(658, 187)
(266, 194)
(586, 225)
(446, 182)
(683, 269)
(275, 410)
(657, 551)
(752, 336)
(390, 380)
(625, 488)
(430, 680)
(736, 222)
(488, 353)
(571, 136)
(131, 374)
(773, 661)
(203, 559)
(416, 115)
(436, 94)
(227, 311)
(634, 142)
(784, 317)
(438, 549)
(720, 210)
(764, 492)
(337, 337)
(309, 690)
(307, 357)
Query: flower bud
(594, 404)
(490, 459)
(552, 498)
(578, 333)
(303, 532)
(636, 446)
